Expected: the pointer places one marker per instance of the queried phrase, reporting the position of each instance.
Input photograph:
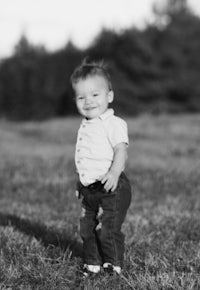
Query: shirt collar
(108, 113)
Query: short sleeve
(117, 131)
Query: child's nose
(87, 99)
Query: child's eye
(80, 98)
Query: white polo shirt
(95, 145)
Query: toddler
(101, 153)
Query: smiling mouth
(90, 108)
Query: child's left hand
(110, 180)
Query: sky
(53, 23)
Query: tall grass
(40, 247)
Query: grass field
(40, 247)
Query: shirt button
(80, 139)
(83, 126)
(82, 174)
(78, 161)
(78, 150)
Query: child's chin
(91, 116)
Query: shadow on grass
(41, 232)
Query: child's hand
(110, 180)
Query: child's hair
(91, 68)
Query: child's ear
(110, 96)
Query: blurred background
(151, 47)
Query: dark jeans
(100, 224)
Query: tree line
(153, 70)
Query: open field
(39, 213)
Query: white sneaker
(90, 270)
(109, 268)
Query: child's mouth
(90, 108)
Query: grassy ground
(40, 247)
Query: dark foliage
(153, 70)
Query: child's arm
(110, 179)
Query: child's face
(92, 96)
